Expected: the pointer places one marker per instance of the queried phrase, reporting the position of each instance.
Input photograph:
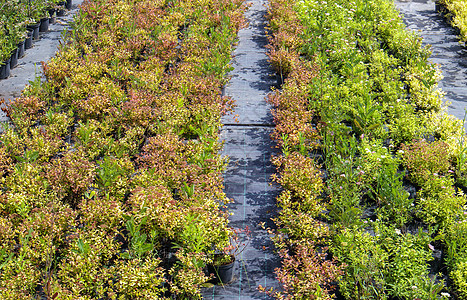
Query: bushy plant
(157, 205)
(70, 176)
(438, 202)
(407, 275)
(387, 264)
(14, 18)
(425, 160)
(188, 275)
(300, 176)
(456, 11)
(138, 279)
(456, 243)
(459, 278)
(25, 111)
(298, 224)
(365, 261)
(101, 211)
(306, 274)
(82, 272)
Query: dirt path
(421, 16)
(249, 147)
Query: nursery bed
(30, 65)
(422, 17)
(112, 181)
(371, 162)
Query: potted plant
(5, 69)
(60, 8)
(37, 12)
(6, 49)
(52, 8)
(12, 20)
(28, 40)
(223, 260)
(44, 25)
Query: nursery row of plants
(373, 169)
(17, 16)
(111, 179)
(456, 12)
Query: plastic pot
(51, 15)
(21, 49)
(223, 274)
(68, 4)
(28, 41)
(14, 59)
(44, 26)
(60, 12)
(438, 7)
(5, 70)
(35, 28)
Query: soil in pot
(223, 274)
(14, 59)
(44, 25)
(28, 41)
(5, 69)
(21, 49)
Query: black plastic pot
(44, 25)
(60, 12)
(68, 4)
(438, 7)
(14, 59)
(28, 41)
(35, 28)
(5, 70)
(51, 15)
(223, 274)
(21, 49)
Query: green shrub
(300, 176)
(438, 202)
(456, 243)
(426, 161)
(365, 265)
(81, 271)
(457, 13)
(138, 279)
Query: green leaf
(146, 248)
